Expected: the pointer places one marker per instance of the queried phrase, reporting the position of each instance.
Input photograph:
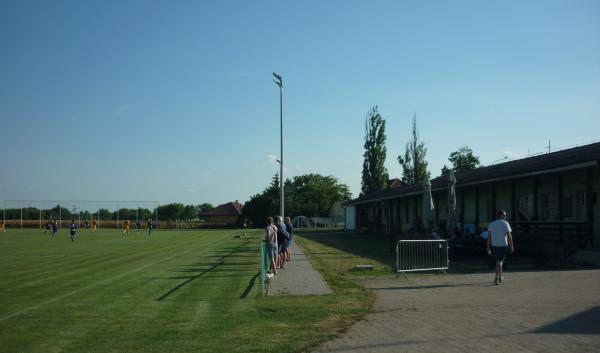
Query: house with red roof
(228, 214)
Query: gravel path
(298, 277)
(545, 311)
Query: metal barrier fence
(421, 255)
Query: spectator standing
(290, 229)
(282, 240)
(271, 240)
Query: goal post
(107, 214)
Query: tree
(204, 206)
(263, 204)
(104, 214)
(171, 211)
(308, 195)
(189, 212)
(414, 165)
(374, 173)
(314, 194)
(462, 160)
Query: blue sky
(173, 100)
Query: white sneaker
(270, 275)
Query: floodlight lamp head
(279, 80)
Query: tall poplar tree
(374, 173)
(414, 165)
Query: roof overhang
(583, 165)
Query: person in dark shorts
(48, 227)
(150, 226)
(499, 242)
(54, 228)
(138, 226)
(73, 229)
(282, 241)
(290, 229)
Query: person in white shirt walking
(499, 241)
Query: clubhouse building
(551, 200)
(226, 215)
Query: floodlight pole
(279, 82)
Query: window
(548, 207)
(568, 206)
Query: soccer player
(150, 226)
(54, 227)
(126, 227)
(94, 225)
(73, 228)
(48, 227)
(2, 226)
(138, 226)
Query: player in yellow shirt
(2, 227)
(126, 227)
(94, 225)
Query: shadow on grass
(196, 273)
(377, 247)
(370, 246)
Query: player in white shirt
(499, 241)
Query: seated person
(484, 234)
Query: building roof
(226, 209)
(548, 163)
(395, 183)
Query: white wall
(350, 218)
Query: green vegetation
(462, 160)
(374, 173)
(308, 195)
(336, 253)
(171, 211)
(176, 291)
(414, 165)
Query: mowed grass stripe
(188, 319)
(82, 255)
(130, 258)
(122, 275)
(211, 270)
(71, 278)
(57, 249)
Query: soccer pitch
(175, 291)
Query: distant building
(551, 200)
(395, 183)
(336, 213)
(225, 215)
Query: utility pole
(279, 82)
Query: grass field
(177, 291)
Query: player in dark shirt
(54, 227)
(150, 226)
(138, 226)
(73, 229)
